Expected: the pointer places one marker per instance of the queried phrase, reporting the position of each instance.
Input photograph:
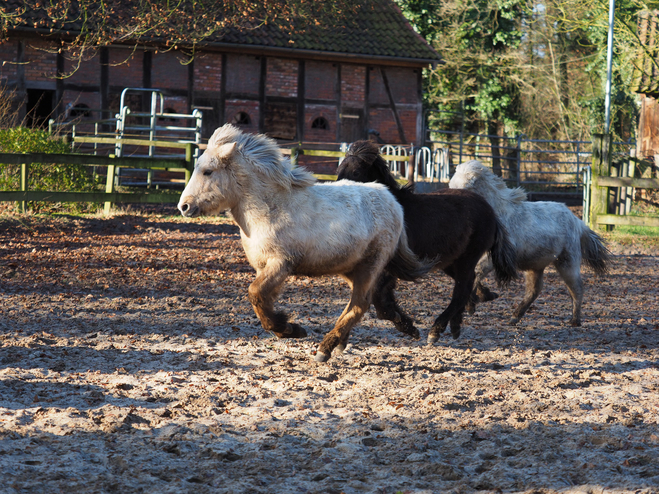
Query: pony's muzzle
(188, 210)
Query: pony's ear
(226, 151)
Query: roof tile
(377, 29)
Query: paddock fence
(111, 165)
(611, 185)
(546, 169)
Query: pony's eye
(207, 173)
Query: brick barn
(322, 86)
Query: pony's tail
(504, 256)
(405, 265)
(594, 253)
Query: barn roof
(377, 30)
(645, 77)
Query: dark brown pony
(455, 227)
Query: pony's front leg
(386, 307)
(262, 294)
(352, 314)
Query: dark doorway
(40, 107)
(352, 126)
(210, 109)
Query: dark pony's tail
(405, 265)
(504, 256)
(594, 253)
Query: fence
(547, 169)
(610, 196)
(112, 164)
(135, 133)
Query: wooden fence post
(190, 166)
(22, 206)
(601, 167)
(295, 151)
(109, 187)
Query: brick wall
(74, 98)
(382, 120)
(311, 113)
(8, 51)
(41, 62)
(243, 74)
(208, 72)
(167, 71)
(320, 80)
(251, 108)
(83, 70)
(318, 164)
(282, 77)
(402, 83)
(125, 67)
(353, 84)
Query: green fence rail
(109, 197)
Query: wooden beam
(640, 183)
(97, 197)
(392, 104)
(262, 97)
(627, 220)
(90, 159)
(301, 81)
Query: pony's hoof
(339, 349)
(432, 339)
(455, 334)
(574, 323)
(438, 328)
(471, 310)
(406, 327)
(321, 357)
(513, 321)
(489, 296)
(295, 331)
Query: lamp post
(609, 62)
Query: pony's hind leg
(571, 274)
(481, 293)
(533, 285)
(262, 294)
(360, 300)
(386, 306)
(453, 313)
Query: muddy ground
(131, 361)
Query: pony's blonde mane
(486, 181)
(264, 156)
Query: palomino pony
(543, 233)
(455, 228)
(290, 225)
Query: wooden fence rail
(109, 197)
(23, 195)
(602, 201)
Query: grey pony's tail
(504, 256)
(594, 253)
(405, 265)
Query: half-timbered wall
(288, 98)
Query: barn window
(80, 111)
(280, 120)
(241, 118)
(168, 120)
(320, 123)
